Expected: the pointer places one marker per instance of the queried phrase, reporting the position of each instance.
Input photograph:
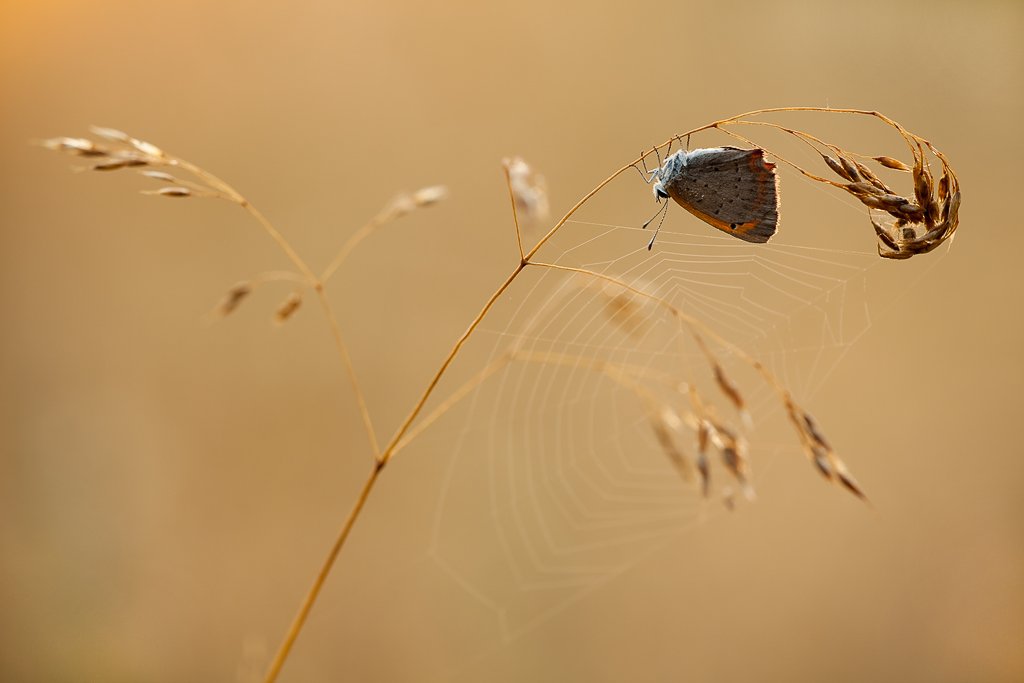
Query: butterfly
(732, 189)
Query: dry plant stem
(311, 279)
(456, 396)
(515, 214)
(385, 457)
(347, 248)
(403, 434)
(351, 243)
(321, 577)
(234, 196)
(382, 460)
(393, 446)
(339, 342)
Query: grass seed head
(838, 168)
(529, 191)
(233, 298)
(111, 134)
(428, 196)
(287, 308)
(77, 146)
(894, 164)
(175, 191)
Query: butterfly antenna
(651, 219)
(664, 212)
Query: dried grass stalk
(918, 222)
(921, 222)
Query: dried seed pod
(889, 162)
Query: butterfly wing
(732, 189)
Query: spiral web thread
(557, 474)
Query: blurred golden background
(168, 488)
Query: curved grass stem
(408, 428)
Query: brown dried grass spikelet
(118, 163)
(630, 313)
(76, 146)
(179, 192)
(112, 134)
(405, 204)
(287, 308)
(233, 298)
(870, 176)
(159, 175)
(428, 196)
(838, 168)
(147, 148)
(894, 164)
(731, 392)
(664, 423)
(529, 191)
(919, 223)
(627, 314)
(851, 168)
(733, 451)
(820, 452)
(703, 467)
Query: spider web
(556, 484)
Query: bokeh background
(167, 488)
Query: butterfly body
(732, 189)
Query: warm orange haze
(618, 476)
